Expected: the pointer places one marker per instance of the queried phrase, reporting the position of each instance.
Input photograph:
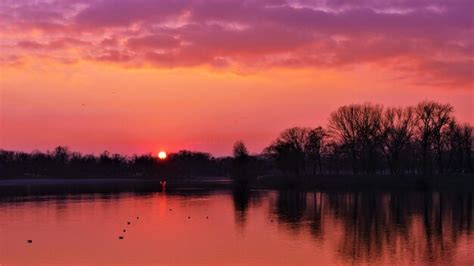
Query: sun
(162, 155)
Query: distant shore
(90, 181)
(46, 186)
(35, 186)
(351, 182)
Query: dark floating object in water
(171, 209)
(271, 220)
(189, 217)
(124, 230)
(128, 222)
(120, 237)
(30, 241)
(138, 217)
(207, 217)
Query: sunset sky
(135, 76)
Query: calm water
(258, 227)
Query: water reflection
(240, 226)
(242, 199)
(378, 226)
(290, 207)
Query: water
(258, 227)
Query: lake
(239, 227)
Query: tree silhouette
(432, 118)
(314, 148)
(358, 129)
(397, 132)
(360, 138)
(244, 171)
(288, 151)
(344, 129)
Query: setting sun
(162, 155)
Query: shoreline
(383, 182)
(51, 186)
(104, 181)
(44, 186)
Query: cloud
(434, 38)
(457, 73)
(125, 12)
(156, 41)
(111, 55)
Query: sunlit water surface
(226, 227)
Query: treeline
(367, 139)
(62, 163)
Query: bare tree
(288, 150)
(313, 148)
(296, 137)
(398, 129)
(432, 118)
(458, 142)
(343, 127)
(452, 137)
(467, 146)
(369, 130)
(441, 118)
(358, 128)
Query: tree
(313, 148)
(441, 118)
(190, 164)
(243, 165)
(432, 117)
(357, 128)
(369, 131)
(288, 151)
(458, 143)
(467, 146)
(343, 128)
(240, 150)
(398, 128)
(61, 157)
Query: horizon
(170, 152)
(138, 77)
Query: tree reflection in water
(375, 226)
(242, 198)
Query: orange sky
(189, 79)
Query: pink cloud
(60, 43)
(156, 41)
(437, 35)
